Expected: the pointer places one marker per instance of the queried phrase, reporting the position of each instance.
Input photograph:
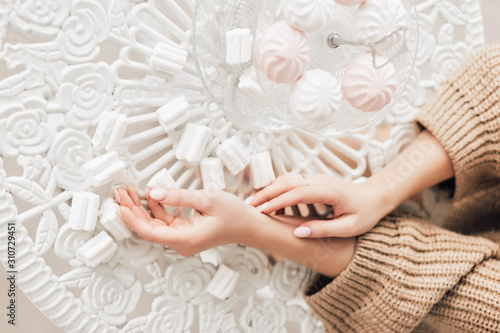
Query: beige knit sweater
(410, 275)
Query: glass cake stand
(332, 50)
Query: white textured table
(80, 88)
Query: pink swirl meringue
(315, 98)
(376, 19)
(349, 2)
(307, 15)
(284, 53)
(367, 88)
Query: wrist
(382, 198)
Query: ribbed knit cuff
(400, 270)
(465, 118)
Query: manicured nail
(302, 232)
(117, 196)
(118, 212)
(249, 199)
(261, 208)
(158, 194)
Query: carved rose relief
(24, 129)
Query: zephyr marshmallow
(162, 179)
(174, 113)
(84, 209)
(112, 222)
(223, 282)
(192, 143)
(234, 155)
(284, 53)
(96, 250)
(109, 131)
(103, 169)
(212, 173)
(261, 170)
(168, 58)
(238, 46)
(366, 87)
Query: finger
(132, 192)
(281, 185)
(152, 232)
(176, 197)
(302, 195)
(125, 199)
(347, 226)
(142, 213)
(159, 211)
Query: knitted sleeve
(465, 118)
(407, 273)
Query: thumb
(177, 197)
(344, 227)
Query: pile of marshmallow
(284, 53)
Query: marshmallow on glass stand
(111, 220)
(315, 99)
(376, 19)
(234, 155)
(84, 209)
(109, 131)
(174, 113)
(103, 169)
(99, 249)
(192, 143)
(238, 46)
(367, 88)
(349, 2)
(250, 86)
(284, 53)
(168, 58)
(261, 170)
(212, 173)
(307, 15)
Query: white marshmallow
(103, 169)
(193, 142)
(261, 170)
(223, 282)
(250, 86)
(112, 221)
(212, 173)
(84, 208)
(234, 155)
(174, 113)
(168, 58)
(238, 46)
(109, 131)
(96, 250)
(162, 179)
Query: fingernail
(249, 199)
(117, 196)
(302, 232)
(262, 207)
(158, 194)
(118, 212)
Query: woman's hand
(356, 207)
(219, 218)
